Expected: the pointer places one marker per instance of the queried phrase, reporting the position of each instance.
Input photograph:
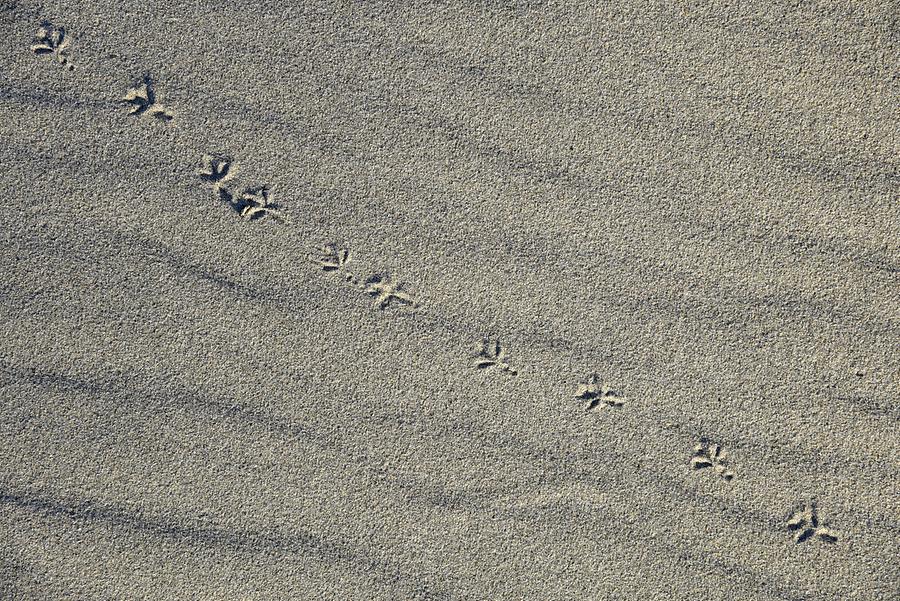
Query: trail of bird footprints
(254, 202)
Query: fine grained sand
(698, 202)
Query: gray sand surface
(697, 202)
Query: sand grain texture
(479, 300)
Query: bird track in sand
(805, 524)
(143, 100)
(707, 455)
(493, 356)
(597, 393)
(332, 258)
(386, 291)
(53, 41)
(251, 202)
(256, 202)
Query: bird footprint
(493, 356)
(711, 456)
(255, 202)
(597, 393)
(52, 41)
(805, 524)
(333, 258)
(386, 291)
(142, 98)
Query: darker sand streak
(181, 530)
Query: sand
(449, 300)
